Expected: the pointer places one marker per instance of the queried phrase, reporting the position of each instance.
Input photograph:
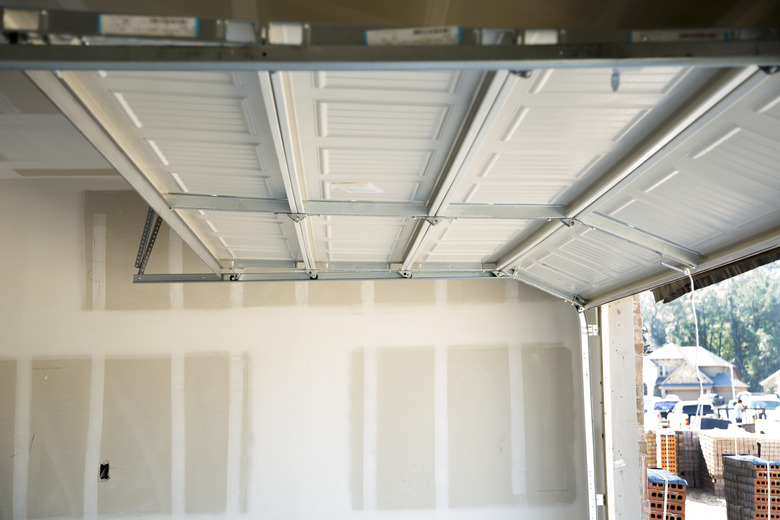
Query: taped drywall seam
(94, 436)
(440, 289)
(302, 293)
(235, 433)
(237, 295)
(517, 420)
(369, 429)
(441, 428)
(22, 437)
(246, 437)
(367, 292)
(175, 265)
(441, 409)
(178, 438)
(97, 271)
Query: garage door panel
(440, 138)
(467, 240)
(418, 82)
(360, 239)
(249, 236)
(583, 259)
(365, 124)
(647, 81)
(719, 183)
(571, 121)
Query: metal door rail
(56, 39)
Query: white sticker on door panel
(158, 26)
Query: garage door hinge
(599, 499)
(593, 330)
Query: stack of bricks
(768, 448)
(652, 451)
(689, 458)
(666, 493)
(752, 492)
(667, 450)
(714, 445)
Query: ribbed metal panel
(582, 260)
(382, 121)
(247, 236)
(360, 239)
(378, 136)
(206, 133)
(434, 81)
(722, 182)
(561, 130)
(472, 240)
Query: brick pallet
(698, 457)
(768, 448)
(714, 445)
(666, 490)
(652, 450)
(689, 457)
(751, 492)
(666, 446)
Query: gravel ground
(703, 505)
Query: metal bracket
(144, 237)
(312, 274)
(150, 245)
(406, 274)
(673, 267)
(297, 217)
(641, 238)
(770, 69)
(579, 301)
(600, 499)
(433, 221)
(593, 330)
(568, 222)
(522, 73)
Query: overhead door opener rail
(93, 41)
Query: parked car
(714, 399)
(657, 417)
(680, 416)
(761, 407)
(649, 401)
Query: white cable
(666, 493)
(696, 355)
(768, 491)
(733, 395)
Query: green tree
(739, 320)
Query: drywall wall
(59, 416)
(7, 441)
(480, 448)
(401, 399)
(206, 405)
(136, 436)
(549, 429)
(405, 429)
